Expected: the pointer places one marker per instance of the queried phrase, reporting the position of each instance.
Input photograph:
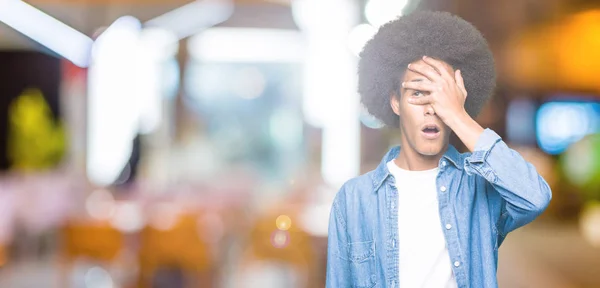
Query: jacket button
(456, 264)
(448, 226)
(443, 188)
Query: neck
(410, 159)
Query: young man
(429, 216)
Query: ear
(395, 103)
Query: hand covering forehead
(440, 35)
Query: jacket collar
(381, 173)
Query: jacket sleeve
(338, 269)
(525, 193)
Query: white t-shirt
(424, 259)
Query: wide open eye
(417, 93)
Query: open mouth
(431, 131)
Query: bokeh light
(379, 12)
(128, 217)
(100, 204)
(581, 165)
(359, 36)
(590, 223)
(283, 222)
(559, 124)
(164, 216)
(97, 277)
(280, 239)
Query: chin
(430, 153)
(431, 149)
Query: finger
(439, 66)
(421, 86)
(425, 70)
(423, 100)
(461, 82)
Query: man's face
(421, 128)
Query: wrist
(459, 120)
(467, 129)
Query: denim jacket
(482, 197)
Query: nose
(429, 110)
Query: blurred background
(178, 143)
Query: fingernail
(408, 65)
(403, 84)
(424, 57)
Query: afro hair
(400, 42)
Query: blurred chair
(270, 246)
(179, 246)
(95, 241)
(3, 256)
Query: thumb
(460, 82)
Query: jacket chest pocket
(363, 264)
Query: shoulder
(355, 192)
(358, 185)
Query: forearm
(525, 192)
(467, 129)
(501, 166)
